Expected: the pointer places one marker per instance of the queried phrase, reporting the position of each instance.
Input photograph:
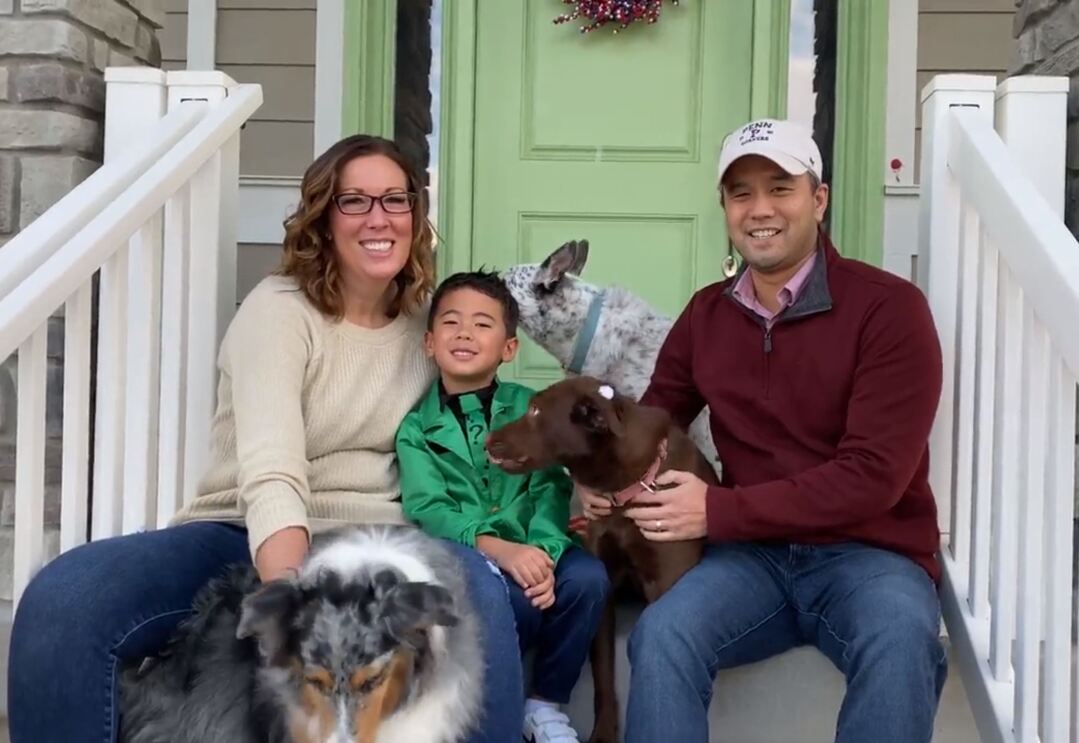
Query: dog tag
(606, 391)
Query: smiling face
(468, 339)
(371, 248)
(772, 216)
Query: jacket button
(494, 509)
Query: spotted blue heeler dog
(373, 641)
(611, 334)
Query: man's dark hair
(488, 283)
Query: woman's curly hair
(308, 250)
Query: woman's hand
(282, 552)
(595, 505)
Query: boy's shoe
(548, 725)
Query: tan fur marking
(314, 706)
(384, 699)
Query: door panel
(612, 138)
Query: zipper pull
(768, 342)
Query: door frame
(768, 97)
(858, 150)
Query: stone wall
(1047, 43)
(52, 108)
(52, 92)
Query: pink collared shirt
(745, 293)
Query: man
(822, 375)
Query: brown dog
(610, 444)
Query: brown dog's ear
(599, 416)
(569, 258)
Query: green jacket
(443, 490)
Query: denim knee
(902, 642)
(48, 602)
(653, 635)
(587, 580)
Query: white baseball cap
(786, 143)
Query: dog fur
(373, 641)
(607, 442)
(554, 303)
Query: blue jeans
(874, 613)
(110, 601)
(562, 634)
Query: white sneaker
(548, 725)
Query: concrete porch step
(792, 698)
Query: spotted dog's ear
(267, 615)
(411, 608)
(569, 258)
(602, 416)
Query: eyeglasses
(398, 202)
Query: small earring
(730, 265)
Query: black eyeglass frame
(412, 196)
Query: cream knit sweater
(307, 410)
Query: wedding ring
(659, 526)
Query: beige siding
(272, 43)
(254, 262)
(962, 36)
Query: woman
(317, 369)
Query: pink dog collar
(647, 483)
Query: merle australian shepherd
(372, 641)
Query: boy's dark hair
(488, 283)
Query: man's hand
(529, 566)
(595, 505)
(675, 513)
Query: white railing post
(1031, 116)
(945, 241)
(938, 261)
(134, 102)
(209, 294)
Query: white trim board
(201, 34)
(263, 205)
(329, 72)
(901, 98)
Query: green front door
(608, 137)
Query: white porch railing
(1002, 275)
(156, 224)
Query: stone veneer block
(9, 170)
(46, 179)
(22, 128)
(151, 10)
(119, 59)
(101, 55)
(52, 82)
(52, 38)
(111, 18)
(147, 47)
(3, 83)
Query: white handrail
(1002, 274)
(40, 240)
(1020, 220)
(35, 298)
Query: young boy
(519, 522)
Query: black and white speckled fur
(233, 672)
(554, 303)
